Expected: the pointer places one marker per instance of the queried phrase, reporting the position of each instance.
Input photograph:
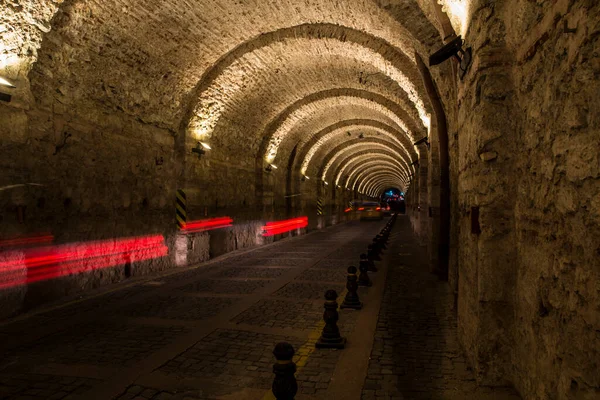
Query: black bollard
(330, 337)
(364, 259)
(372, 254)
(381, 242)
(351, 300)
(363, 278)
(377, 246)
(284, 386)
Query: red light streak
(277, 227)
(348, 210)
(378, 208)
(20, 268)
(27, 240)
(207, 224)
(361, 209)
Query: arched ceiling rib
(366, 175)
(328, 156)
(355, 178)
(373, 159)
(382, 184)
(373, 165)
(346, 135)
(374, 181)
(389, 182)
(348, 151)
(352, 164)
(216, 86)
(314, 142)
(214, 33)
(280, 127)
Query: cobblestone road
(203, 333)
(416, 354)
(208, 332)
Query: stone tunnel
(123, 121)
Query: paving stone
(102, 344)
(301, 315)
(340, 264)
(251, 272)
(322, 275)
(416, 354)
(233, 347)
(178, 307)
(297, 253)
(277, 262)
(40, 386)
(228, 286)
(247, 358)
(309, 291)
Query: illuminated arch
(349, 150)
(205, 113)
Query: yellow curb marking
(303, 353)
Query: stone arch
(405, 123)
(401, 62)
(355, 179)
(349, 146)
(333, 132)
(373, 184)
(367, 176)
(381, 103)
(380, 186)
(358, 122)
(381, 160)
(349, 165)
(346, 154)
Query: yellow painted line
(303, 353)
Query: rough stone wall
(557, 207)
(528, 159)
(89, 190)
(488, 134)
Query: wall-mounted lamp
(6, 83)
(325, 183)
(423, 140)
(201, 148)
(304, 178)
(453, 49)
(270, 167)
(5, 96)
